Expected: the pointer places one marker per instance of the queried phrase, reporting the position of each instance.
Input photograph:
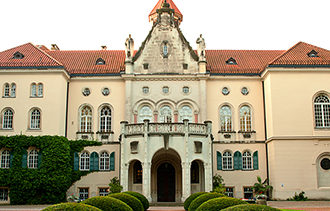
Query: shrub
(300, 197)
(115, 186)
(131, 201)
(219, 204)
(107, 203)
(250, 207)
(193, 196)
(203, 198)
(141, 197)
(71, 206)
(218, 185)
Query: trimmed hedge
(131, 201)
(250, 207)
(203, 198)
(219, 204)
(71, 206)
(141, 197)
(191, 198)
(107, 203)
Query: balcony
(184, 128)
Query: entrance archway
(166, 176)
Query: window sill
(222, 131)
(100, 132)
(7, 129)
(8, 96)
(84, 132)
(252, 131)
(322, 128)
(247, 169)
(33, 130)
(36, 96)
(228, 169)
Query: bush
(141, 197)
(193, 196)
(219, 204)
(107, 203)
(300, 197)
(203, 198)
(71, 206)
(250, 207)
(115, 186)
(131, 201)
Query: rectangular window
(4, 194)
(248, 192)
(83, 193)
(103, 191)
(229, 191)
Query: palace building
(170, 116)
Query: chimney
(104, 47)
(55, 47)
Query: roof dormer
(100, 61)
(231, 61)
(313, 53)
(18, 55)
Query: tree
(261, 187)
(115, 186)
(218, 185)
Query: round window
(225, 91)
(105, 91)
(166, 89)
(325, 163)
(145, 90)
(245, 91)
(185, 89)
(86, 92)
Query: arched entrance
(166, 176)
(166, 183)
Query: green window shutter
(255, 161)
(76, 161)
(94, 162)
(112, 161)
(237, 160)
(11, 159)
(219, 161)
(24, 159)
(39, 158)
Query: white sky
(225, 24)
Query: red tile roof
(177, 12)
(298, 55)
(84, 62)
(248, 61)
(33, 57)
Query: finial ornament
(201, 48)
(129, 48)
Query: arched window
(84, 161)
(104, 161)
(145, 113)
(227, 161)
(7, 119)
(185, 113)
(137, 172)
(35, 119)
(225, 119)
(105, 119)
(245, 118)
(247, 160)
(6, 90)
(165, 114)
(194, 176)
(40, 90)
(33, 159)
(13, 90)
(33, 90)
(5, 159)
(322, 111)
(86, 119)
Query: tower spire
(165, 4)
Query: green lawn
(290, 210)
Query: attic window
(100, 61)
(18, 55)
(312, 54)
(231, 61)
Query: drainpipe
(66, 109)
(265, 124)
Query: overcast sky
(225, 24)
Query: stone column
(128, 90)
(186, 186)
(146, 188)
(208, 177)
(202, 97)
(124, 176)
(124, 165)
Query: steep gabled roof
(27, 56)
(159, 5)
(298, 55)
(84, 62)
(248, 62)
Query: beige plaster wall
(52, 104)
(235, 99)
(241, 178)
(116, 99)
(293, 167)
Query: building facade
(170, 117)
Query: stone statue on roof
(129, 47)
(201, 48)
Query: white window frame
(7, 119)
(35, 119)
(322, 111)
(105, 119)
(13, 90)
(165, 114)
(40, 90)
(227, 161)
(247, 161)
(186, 112)
(6, 90)
(83, 194)
(245, 119)
(103, 191)
(226, 118)
(104, 161)
(32, 159)
(5, 159)
(33, 90)
(84, 161)
(145, 112)
(85, 125)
